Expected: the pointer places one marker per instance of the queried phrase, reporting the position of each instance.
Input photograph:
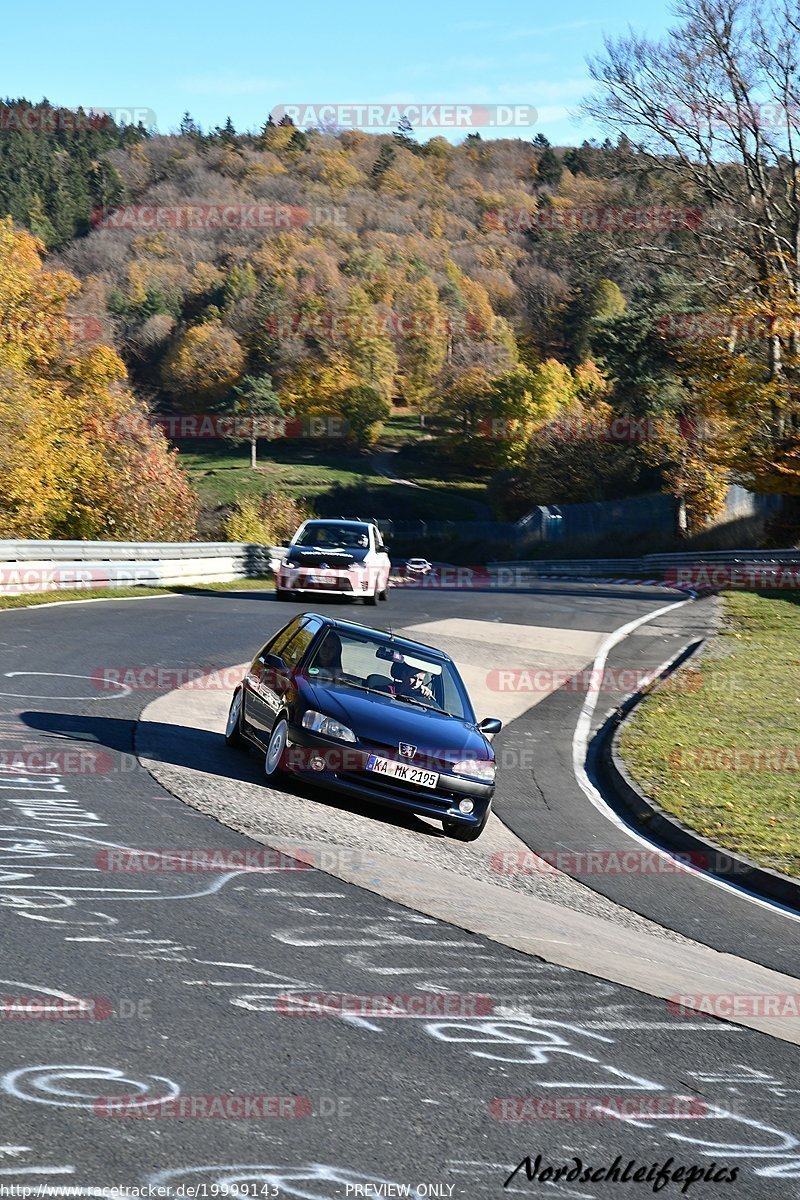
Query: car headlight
(319, 723)
(476, 768)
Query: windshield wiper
(432, 708)
(361, 686)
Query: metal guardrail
(37, 566)
(651, 564)
(568, 566)
(30, 566)
(64, 551)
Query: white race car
(418, 566)
(337, 557)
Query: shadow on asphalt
(202, 750)
(311, 600)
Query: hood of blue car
(382, 721)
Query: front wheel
(233, 726)
(384, 595)
(276, 748)
(465, 833)
(372, 600)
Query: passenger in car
(328, 658)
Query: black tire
(384, 595)
(371, 600)
(465, 833)
(233, 727)
(284, 594)
(276, 748)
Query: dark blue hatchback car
(378, 717)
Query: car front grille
(396, 789)
(336, 562)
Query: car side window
(277, 644)
(294, 650)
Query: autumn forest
(564, 323)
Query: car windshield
(373, 665)
(326, 536)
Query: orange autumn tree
(745, 424)
(79, 458)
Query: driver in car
(410, 681)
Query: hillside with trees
(518, 300)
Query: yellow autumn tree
(79, 458)
(204, 364)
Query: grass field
(335, 480)
(65, 595)
(679, 744)
(220, 473)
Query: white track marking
(126, 691)
(580, 747)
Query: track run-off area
(556, 1035)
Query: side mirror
(490, 726)
(275, 661)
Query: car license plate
(402, 771)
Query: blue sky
(242, 58)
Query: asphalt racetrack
(555, 1036)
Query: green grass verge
(220, 473)
(747, 698)
(66, 595)
(336, 481)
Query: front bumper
(330, 582)
(342, 770)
